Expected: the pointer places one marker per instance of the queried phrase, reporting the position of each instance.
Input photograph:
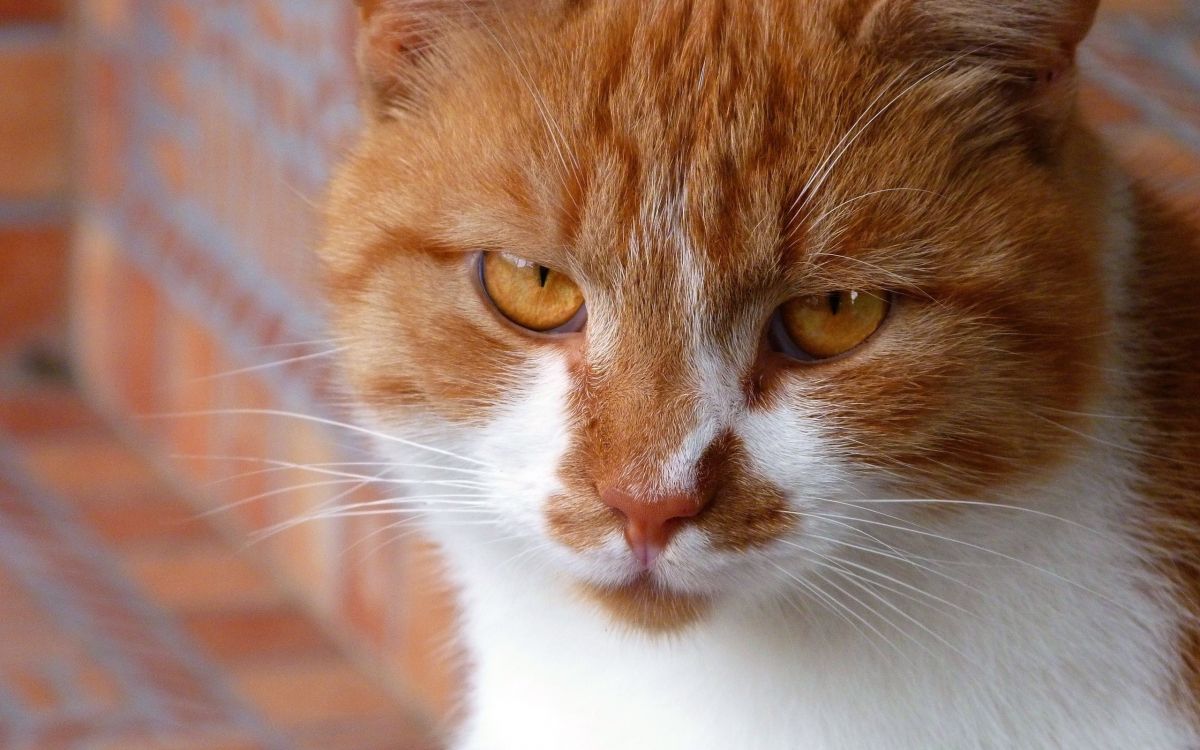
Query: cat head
(674, 288)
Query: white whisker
(269, 365)
(321, 421)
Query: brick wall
(207, 127)
(34, 185)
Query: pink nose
(650, 522)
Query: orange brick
(35, 127)
(1152, 9)
(371, 572)
(231, 739)
(171, 162)
(207, 577)
(104, 128)
(248, 438)
(40, 11)
(191, 356)
(90, 467)
(146, 521)
(269, 634)
(1157, 158)
(93, 291)
(397, 732)
(137, 319)
(425, 651)
(313, 693)
(309, 553)
(100, 689)
(1103, 108)
(107, 16)
(183, 22)
(40, 413)
(34, 690)
(33, 286)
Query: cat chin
(647, 606)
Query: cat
(778, 374)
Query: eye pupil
(822, 326)
(530, 295)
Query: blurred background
(164, 374)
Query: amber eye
(821, 326)
(531, 295)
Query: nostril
(651, 521)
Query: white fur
(1003, 628)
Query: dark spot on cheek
(747, 514)
(746, 511)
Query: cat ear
(393, 38)
(1029, 44)
(396, 36)
(1031, 33)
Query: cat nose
(650, 522)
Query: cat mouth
(645, 603)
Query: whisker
(987, 504)
(832, 605)
(321, 421)
(298, 344)
(817, 222)
(268, 365)
(817, 180)
(294, 523)
(557, 135)
(280, 464)
(1001, 555)
(358, 480)
(904, 558)
(891, 579)
(1117, 446)
(816, 572)
(856, 580)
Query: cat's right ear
(396, 36)
(393, 36)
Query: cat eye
(822, 326)
(530, 295)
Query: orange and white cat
(785, 373)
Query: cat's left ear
(1030, 44)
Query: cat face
(677, 286)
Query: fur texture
(977, 529)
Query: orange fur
(1168, 390)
